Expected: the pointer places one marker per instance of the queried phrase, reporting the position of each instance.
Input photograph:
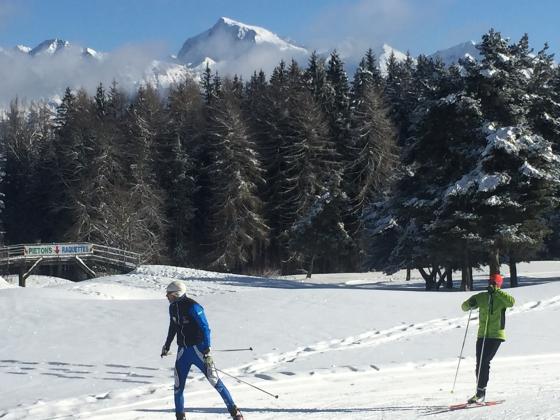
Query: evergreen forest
(430, 167)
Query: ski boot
(479, 397)
(180, 416)
(235, 413)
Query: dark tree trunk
(466, 273)
(310, 268)
(443, 278)
(513, 271)
(449, 283)
(429, 276)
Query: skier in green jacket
(492, 306)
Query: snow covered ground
(351, 346)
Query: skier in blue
(188, 322)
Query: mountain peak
(22, 49)
(229, 21)
(383, 54)
(91, 53)
(229, 39)
(49, 47)
(454, 54)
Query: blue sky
(421, 26)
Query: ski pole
(461, 354)
(247, 349)
(247, 383)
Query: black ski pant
(491, 346)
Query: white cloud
(46, 76)
(356, 25)
(259, 59)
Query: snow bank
(4, 284)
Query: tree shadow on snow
(480, 283)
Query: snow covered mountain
(229, 40)
(229, 47)
(22, 49)
(44, 71)
(52, 47)
(453, 54)
(49, 47)
(383, 54)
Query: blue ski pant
(186, 357)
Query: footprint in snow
(265, 377)
(145, 368)
(118, 366)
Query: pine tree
(312, 191)
(544, 108)
(367, 76)
(176, 168)
(370, 166)
(144, 223)
(259, 108)
(272, 142)
(500, 80)
(206, 84)
(40, 126)
(337, 107)
(427, 226)
(520, 161)
(237, 226)
(107, 181)
(400, 91)
(374, 155)
(16, 136)
(315, 79)
(67, 164)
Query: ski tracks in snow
(412, 392)
(106, 405)
(375, 338)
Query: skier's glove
(211, 372)
(164, 351)
(208, 361)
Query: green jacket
(491, 305)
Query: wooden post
(22, 276)
(84, 267)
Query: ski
(474, 405)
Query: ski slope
(344, 346)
